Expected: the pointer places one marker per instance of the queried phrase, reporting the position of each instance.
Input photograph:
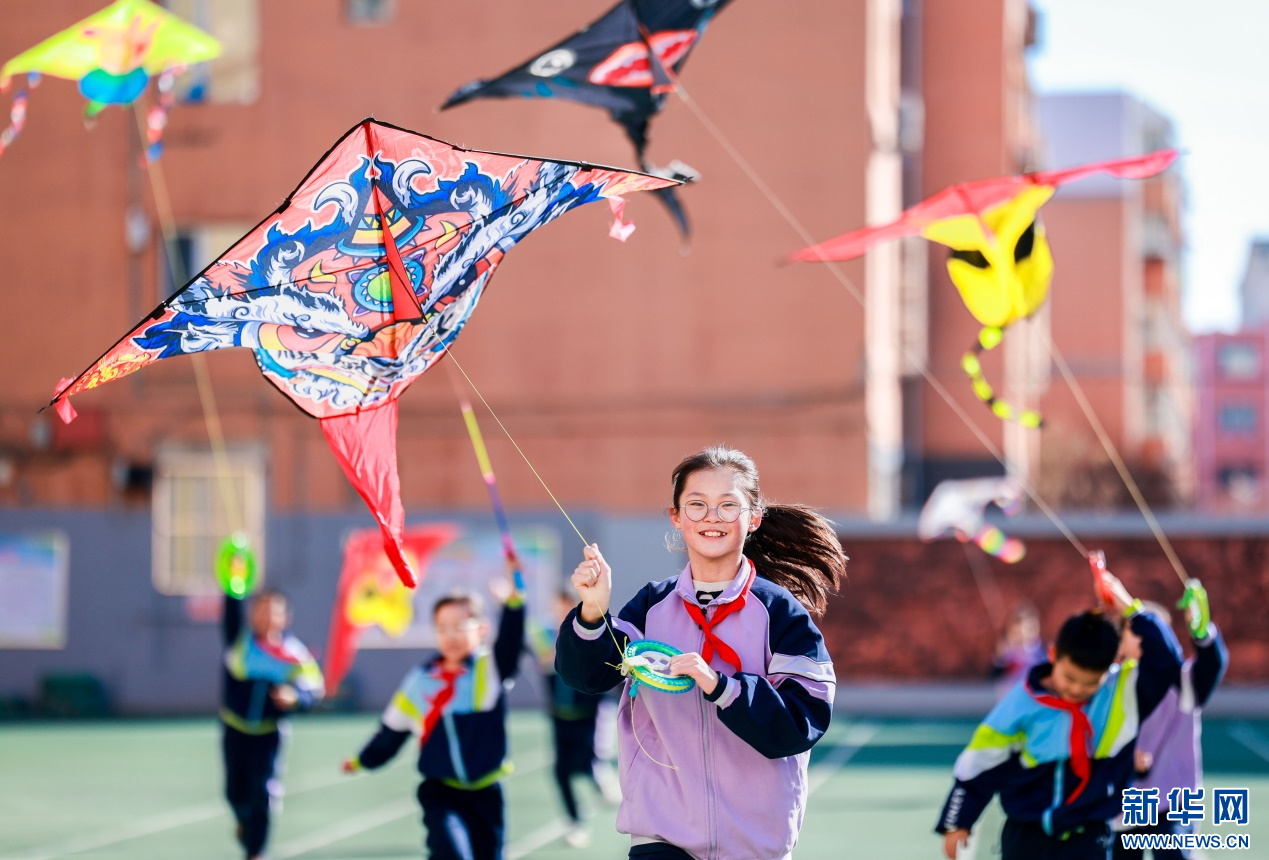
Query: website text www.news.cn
(1185, 809)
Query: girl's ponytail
(797, 548)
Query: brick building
(608, 362)
(1230, 440)
(593, 351)
(1231, 444)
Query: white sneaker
(577, 836)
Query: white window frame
(176, 568)
(234, 76)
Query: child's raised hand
(1197, 612)
(501, 589)
(694, 666)
(1122, 600)
(593, 581)
(952, 840)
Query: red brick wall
(913, 611)
(608, 362)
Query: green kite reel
(236, 566)
(648, 661)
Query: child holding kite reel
(1169, 754)
(737, 624)
(266, 674)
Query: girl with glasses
(719, 772)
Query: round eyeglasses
(728, 512)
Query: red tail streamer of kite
(365, 444)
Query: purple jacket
(1171, 733)
(739, 790)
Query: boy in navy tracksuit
(1059, 747)
(457, 704)
(267, 673)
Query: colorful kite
(342, 321)
(1000, 259)
(958, 509)
(370, 594)
(113, 54)
(626, 62)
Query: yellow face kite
(379, 598)
(1000, 260)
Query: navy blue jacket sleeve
(988, 764)
(587, 663)
(1211, 658)
(969, 797)
(231, 619)
(510, 641)
(1160, 667)
(382, 747)
(786, 711)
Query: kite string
(206, 393)
(635, 733)
(858, 296)
(1112, 452)
(450, 352)
(985, 580)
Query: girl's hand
(952, 840)
(694, 666)
(284, 696)
(593, 581)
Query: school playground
(151, 789)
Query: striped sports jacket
(1022, 750)
(463, 742)
(724, 776)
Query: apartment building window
(234, 76)
(194, 246)
(1238, 360)
(1160, 411)
(369, 13)
(1237, 419)
(1240, 483)
(197, 503)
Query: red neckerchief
(440, 700)
(712, 643)
(278, 651)
(1081, 736)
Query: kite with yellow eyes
(1000, 260)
